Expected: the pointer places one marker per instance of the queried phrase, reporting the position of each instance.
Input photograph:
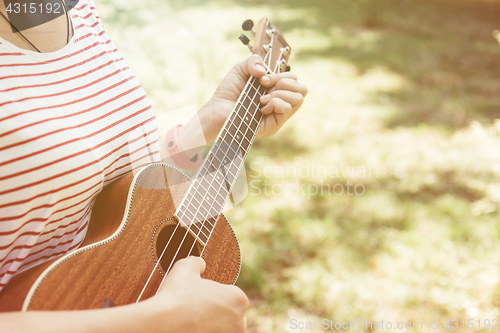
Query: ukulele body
(131, 221)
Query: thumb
(190, 265)
(253, 65)
(184, 270)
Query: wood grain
(118, 267)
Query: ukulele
(142, 224)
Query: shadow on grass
(362, 226)
(448, 183)
(386, 205)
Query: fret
(227, 167)
(244, 106)
(194, 217)
(244, 135)
(254, 123)
(223, 157)
(220, 166)
(211, 194)
(209, 191)
(202, 237)
(237, 120)
(248, 105)
(197, 196)
(197, 219)
(245, 103)
(190, 213)
(233, 130)
(199, 229)
(218, 173)
(198, 235)
(196, 228)
(228, 137)
(242, 125)
(202, 226)
(245, 146)
(252, 101)
(235, 152)
(254, 92)
(220, 194)
(203, 200)
(214, 194)
(200, 216)
(208, 212)
(238, 136)
(209, 222)
(214, 168)
(245, 120)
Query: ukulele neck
(211, 186)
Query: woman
(70, 110)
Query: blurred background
(401, 115)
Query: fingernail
(260, 68)
(265, 98)
(266, 79)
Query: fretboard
(205, 199)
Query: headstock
(269, 44)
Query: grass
(407, 89)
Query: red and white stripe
(71, 121)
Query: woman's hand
(284, 97)
(197, 305)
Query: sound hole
(174, 244)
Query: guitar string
(214, 155)
(215, 219)
(205, 170)
(178, 224)
(269, 56)
(230, 120)
(237, 158)
(242, 159)
(175, 230)
(206, 218)
(250, 143)
(277, 67)
(185, 235)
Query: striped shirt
(71, 122)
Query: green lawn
(403, 101)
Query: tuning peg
(244, 39)
(248, 26)
(288, 68)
